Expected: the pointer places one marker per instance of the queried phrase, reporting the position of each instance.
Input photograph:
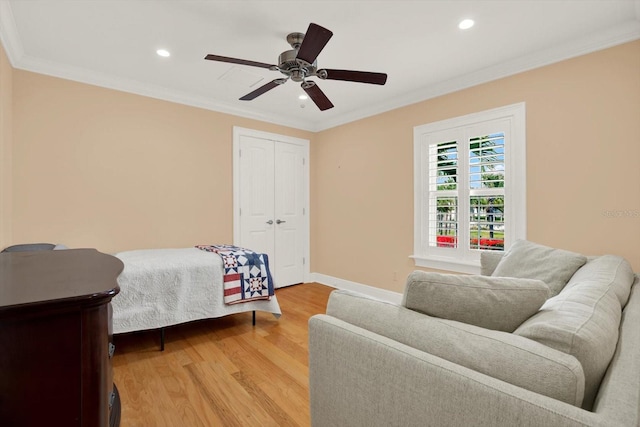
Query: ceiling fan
(300, 63)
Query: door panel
(256, 197)
(289, 210)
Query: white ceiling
(112, 43)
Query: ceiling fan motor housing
(294, 68)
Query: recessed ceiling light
(465, 24)
(163, 52)
(303, 97)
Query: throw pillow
(528, 260)
(497, 303)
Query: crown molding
(592, 43)
(95, 78)
(13, 46)
(10, 39)
(9, 34)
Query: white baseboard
(377, 293)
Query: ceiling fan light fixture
(303, 97)
(465, 24)
(163, 52)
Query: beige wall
(101, 168)
(94, 167)
(6, 139)
(583, 162)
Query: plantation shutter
(486, 191)
(443, 194)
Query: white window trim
(515, 185)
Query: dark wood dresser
(56, 338)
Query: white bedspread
(164, 287)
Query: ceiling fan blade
(262, 89)
(238, 61)
(317, 95)
(353, 76)
(315, 39)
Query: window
(469, 187)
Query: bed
(166, 287)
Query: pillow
(489, 261)
(507, 357)
(528, 260)
(584, 319)
(498, 303)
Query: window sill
(447, 264)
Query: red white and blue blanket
(246, 273)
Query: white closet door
(256, 195)
(289, 213)
(271, 194)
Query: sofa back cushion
(529, 260)
(489, 260)
(583, 320)
(499, 303)
(501, 355)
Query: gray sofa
(572, 361)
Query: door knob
(278, 221)
(270, 222)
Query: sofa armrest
(359, 378)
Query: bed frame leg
(161, 339)
(253, 318)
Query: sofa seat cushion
(507, 357)
(584, 319)
(528, 260)
(499, 303)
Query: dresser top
(29, 279)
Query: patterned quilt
(246, 273)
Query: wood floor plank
(228, 399)
(279, 358)
(222, 372)
(149, 392)
(279, 415)
(187, 399)
(293, 349)
(277, 383)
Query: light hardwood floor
(222, 372)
